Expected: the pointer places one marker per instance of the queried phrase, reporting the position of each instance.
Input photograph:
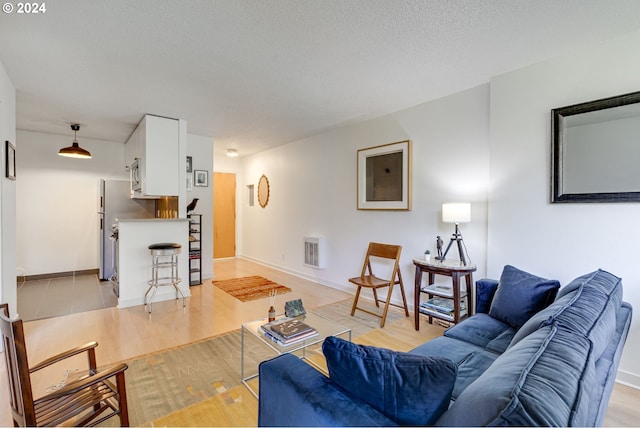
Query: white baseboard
(626, 378)
(347, 288)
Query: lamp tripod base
(456, 237)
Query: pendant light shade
(74, 150)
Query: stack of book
(288, 331)
(442, 306)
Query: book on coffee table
(289, 328)
(287, 331)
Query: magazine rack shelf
(195, 245)
(448, 303)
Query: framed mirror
(595, 151)
(263, 191)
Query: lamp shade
(74, 151)
(457, 212)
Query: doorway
(224, 215)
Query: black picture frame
(189, 164)
(201, 178)
(10, 160)
(603, 109)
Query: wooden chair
(80, 402)
(369, 280)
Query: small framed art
(10, 160)
(201, 178)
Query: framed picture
(384, 177)
(189, 183)
(10, 160)
(201, 178)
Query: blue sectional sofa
(534, 354)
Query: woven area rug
(250, 287)
(176, 386)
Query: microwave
(134, 171)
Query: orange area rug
(250, 287)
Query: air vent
(314, 252)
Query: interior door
(224, 215)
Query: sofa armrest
(292, 393)
(485, 290)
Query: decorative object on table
(459, 212)
(272, 300)
(427, 255)
(201, 178)
(263, 191)
(439, 244)
(74, 150)
(249, 287)
(192, 205)
(10, 160)
(384, 177)
(294, 308)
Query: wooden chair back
(384, 251)
(15, 352)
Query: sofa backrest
(560, 366)
(542, 380)
(585, 306)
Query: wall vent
(314, 252)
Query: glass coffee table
(253, 331)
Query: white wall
(313, 190)
(201, 151)
(560, 241)
(8, 291)
(58, 199)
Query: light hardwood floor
(126, 333)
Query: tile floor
(47, 298)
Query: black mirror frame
(557, 117)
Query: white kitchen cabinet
(132, 148)
(156, 144)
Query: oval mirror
(263, 191)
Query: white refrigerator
(115, 204)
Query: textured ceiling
(257, 73)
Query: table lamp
(459, 212)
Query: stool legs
(156, 265)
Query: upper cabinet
(155, 146)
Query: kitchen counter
(134, 258)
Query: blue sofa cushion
(544, 380)
(294, 394)
(409, 389)
(471, 360)
(484, 331)
(485, 290)
(520, 295)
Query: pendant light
(75, 151)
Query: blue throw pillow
(520, 295)
(407, 388)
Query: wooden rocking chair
(87, 401)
